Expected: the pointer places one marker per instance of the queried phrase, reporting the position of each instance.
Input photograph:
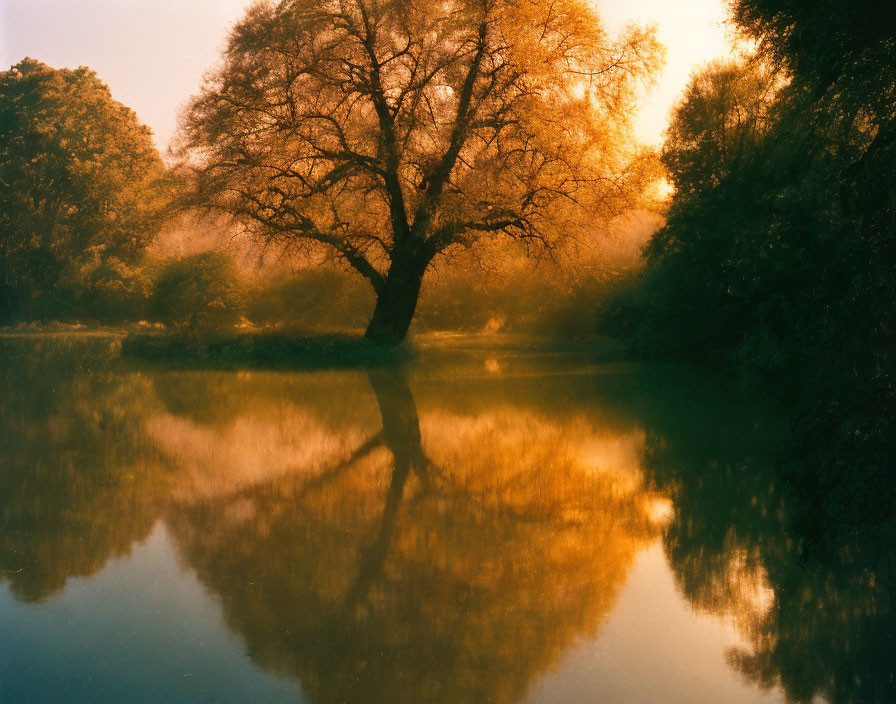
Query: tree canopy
(847, 48)
(779, 241)
(82, 183)
(387, 131)
(778, 251)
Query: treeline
(213, 292)
(778, 253)
(86, 199)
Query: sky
(153, 53)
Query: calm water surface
(479, 526)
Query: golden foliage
(394, 129)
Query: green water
(480, 525)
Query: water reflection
(430, 566)
(446, 544)
(820, 624)
(79, 483)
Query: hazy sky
(152, 53)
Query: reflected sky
(502, 527)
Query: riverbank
(308, 349)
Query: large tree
(386, 131)
(82, 182)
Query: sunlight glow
(153, 55)
(693, 33)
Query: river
(480, 524)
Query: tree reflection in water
(79, 481)
(818, 618)
(381, 553)
(393, 577)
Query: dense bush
(198, 294)
(116, 292)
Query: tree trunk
(401, 434)
(396, 301)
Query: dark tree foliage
(83, 191)
(841, 49)
(778, 253)
(784, 212)
(779, 244)
(704, 278)
(199, 293)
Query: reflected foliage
(448, 543)
(79, 484)
(817, 611)
(432, 565)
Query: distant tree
(81, 182)
(387, 131)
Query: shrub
(315, 299)
(199, 293)
(116, 292)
